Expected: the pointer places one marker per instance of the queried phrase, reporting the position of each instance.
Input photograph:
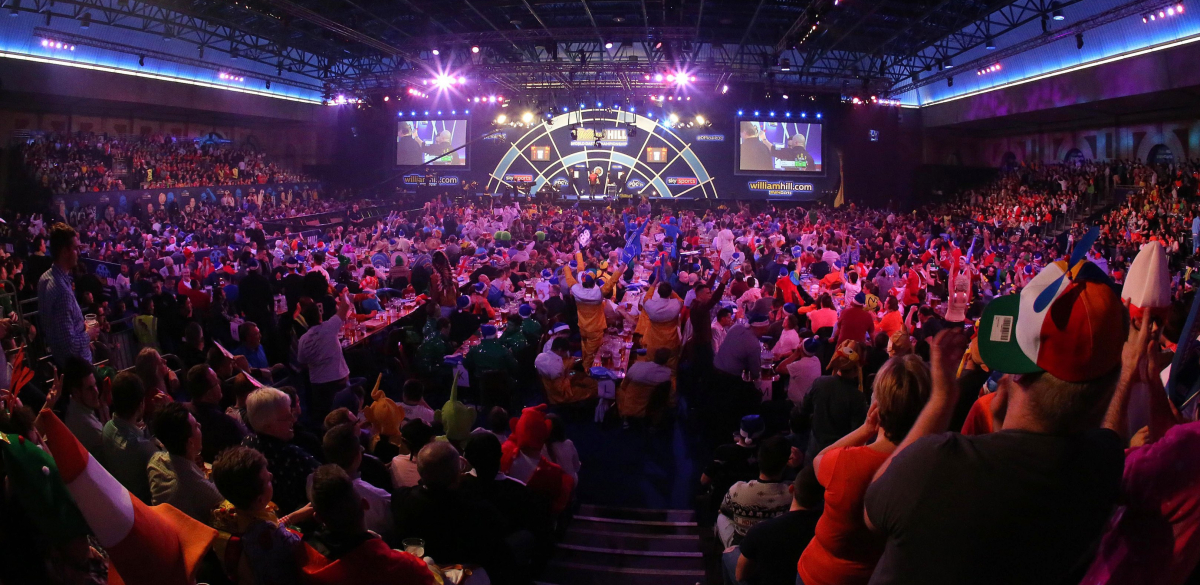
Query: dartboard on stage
(599, 154)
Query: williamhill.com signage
(420, 180)
(781, 187)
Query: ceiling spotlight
(991, 44)
(724, 89)
(658, 77)
(475, 49)
(385, 98)
(527, 117)
(608, 45)
(673, 117)
(436, 52)
(1056, 11)
(699, 119)
(949, 63)
(501, 119)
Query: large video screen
(787, 147)
(432, 142)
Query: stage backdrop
(639, 154)
(154, 199)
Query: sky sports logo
(684, 181)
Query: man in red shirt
(855, 322)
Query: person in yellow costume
(556, 369)
(589, 305)
(662, 312)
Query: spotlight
(658, 77)
(756, 114)
(527, 117)
(1056, 11)
(771, 114)
(991, 44)
(699, 119)
(787, 114)
(501, 119)
(673, 118)
(818, 115)
(436, 52)
(724, 89)
(475, 49)
(492, 99)
(949, 63)
(385, 98)
(740, 112)
(607, 45)
(785, 96)
(671, 77)
(803, 114)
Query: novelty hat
(1067, 321)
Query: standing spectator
(66, 333)
(320, 351)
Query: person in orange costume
(523, 458)
(589, 305)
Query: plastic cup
(414, 547)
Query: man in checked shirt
(61, 320)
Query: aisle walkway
(628, 546)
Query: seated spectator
(751, 502)
(158, 380)
(193, 349)
(127, 446)
(221, 431)
(560, 450)
(271, 420)
(344, 448)
(414, 402)
(350, 553)
(769, 552)
(415, 435)
(250, 347)
(522, 509)
(254, 548)
(174, 476)
(86, 412)
(844, 551)
(457, 527)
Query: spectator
(157, 378)
(836, 404)
(254, 548)
(803, 368)
(66, 334)
(769, 552)
(321, 353)
(127, 445)
(349, 553)
(843, 550)
(415, 435)
(271, 420)
(344, 449)
(174, 476)
(751, 502)
(86, 412)
(221, 431)
(414, 402)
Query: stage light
(771, 114)
(412, 113)
(803, 114)
(453, 112)
(691, 78)
(436, 52)
(500, 99)
(475, 49)
(673, 118)
(991, 44)
(818, 115)
(527, 117)
(492, 99)
(700, 119)
(632, 109)
(466, 111)
(1056, 12)
(724, 89)
(671, 77)
(599, 104)
(785, 96)
(439, 112)
(607, 45)
(787, 114)
(647, 76)
(658, 77)
(688, 98)
(501, 119)
(740, 112)
(461, 80)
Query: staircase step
(576, 573)
(627, 559)
(597, 524)
(632, 540)
(637, 514)
(637, 552)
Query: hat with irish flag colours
(1068, 321)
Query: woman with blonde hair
(843, 551)
(900, 344)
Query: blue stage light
(803, 114)
(740, 112)
(787, 115)
(772, 114)
(818, 115)
(632, 109)
(756, 113)
(426, 112)
(599, 104)
(412, 113)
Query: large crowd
(967, 392)
(87, 162)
